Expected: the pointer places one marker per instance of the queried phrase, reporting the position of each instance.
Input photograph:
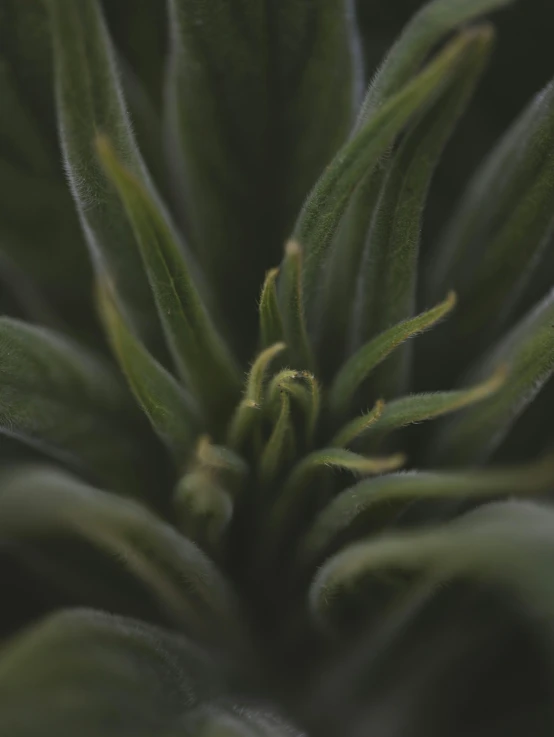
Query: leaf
(271, 326)
(190, 591)
(320, 217)
(528, 351)
(94, 674)
(57, 397)
(261, 97)
(495, 241)
(247, 415)
(275, 450)
(425, 30)
(222, 463)
(417, 408)
(292, 308)
(508, 544)
(199, 351)
(354, 372)
(171, 412)
(358, 426)
(355, 506)
(204, 510)
(89, 101)
(308, 398)
(389, 265)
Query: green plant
(238, 577)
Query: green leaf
(189, 590)
(89, 100)
(271, 326)
(528, 351)
(261, 97)
(57, 397)
(292, 308)
(358, 426)
(509, 544)
(355, 506)
(199, 351)
(389, 265)
(275, 450)
(307, 398)
(222, 463)
(93, 674)
(321, 215)
(204, 510)
(354, 372)
(247, 415)
(170, 410)
(494, 242)
(434, 21)
(416, 408)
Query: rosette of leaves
(224, 508)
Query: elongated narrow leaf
(354, 506)
(261, 97)
(292, 307)
(389, 267)
(247, 415)
(322, 212)
(434, 21)
(528, 351)
(416, 408)
(90, 673)
(275, 450)
(171, 412)
(90, 100)
(505, 221)
(198, 349)
(358, 426)
(58, 398)
(40, 502)
(302, 496)
(506, 543)
(357, 369)
(271, 326)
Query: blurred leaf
(261, 97)
(171, 411)
(292, 307)
(389, 266)
(97, 675)
(528, 351)
(204, 510)
(495, 240)
(509, 543)
(321, 214)
(40, 502)
(354, 372)
(199, 351)
(90, 101)
(356, 505)
(57, 397)
(434, 21)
